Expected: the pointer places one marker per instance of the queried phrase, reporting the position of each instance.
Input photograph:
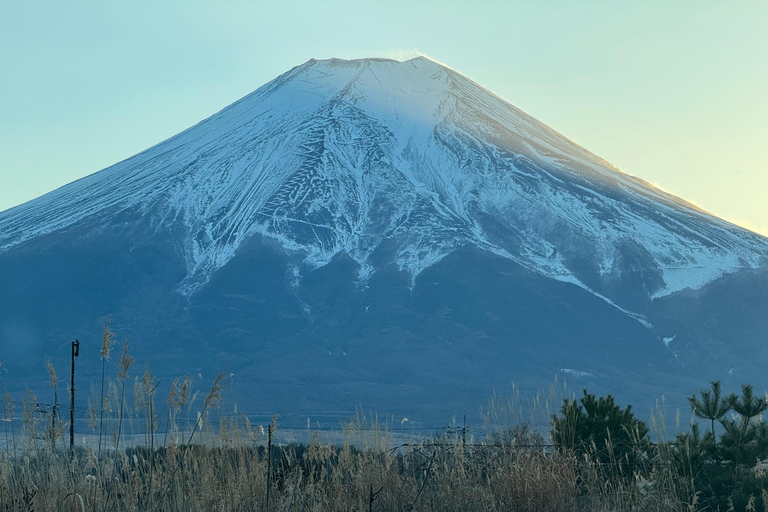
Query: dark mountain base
(320, 346)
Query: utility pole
(269, 461)
(53, 419)
(75, 353)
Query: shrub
(726, 471)
(603, 431)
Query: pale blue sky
(673, 92)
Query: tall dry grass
(227, 470)
(184, 460)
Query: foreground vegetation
(596, 457)
(435, 474)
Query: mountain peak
(335, 61)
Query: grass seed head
(173, 394)
(53, 377)
(107, 341)
(125, 361)
(27, 406)
(140, 397)
(214, 397)
(178, 395)
(93, 418)
(8, 406)
(186, 386)
(106, 404)
(147, 380)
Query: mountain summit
(396, 213)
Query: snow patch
(577, 373)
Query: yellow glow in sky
(675, 93)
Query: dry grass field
(188, 459)
(183, 464)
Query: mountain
(388, 234)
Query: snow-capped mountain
(337, 156)
(393, 166)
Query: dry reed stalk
(213, 399)
(53, 382)
(9, 407)
(123, 365)
(107, 341)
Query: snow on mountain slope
(338, 156)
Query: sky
(673, 92)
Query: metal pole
(269, 462)
(75, 353)
(464, 435)
(53, 419)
